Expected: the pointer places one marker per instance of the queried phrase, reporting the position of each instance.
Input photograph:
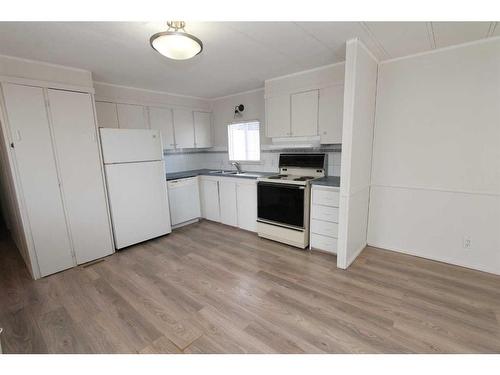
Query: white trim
(437, 189)
(46, 63)
(152, 91)
(237, 94)
(442, 49)
(375, 40)
(417, 254)
(304, 71)
(309, 87)
(46, 84)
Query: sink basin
(247, 174)
(223, 172)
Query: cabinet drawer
(325, 213)
(325, 228)
(325, 197)
(324, 243)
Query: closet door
(80, 170)
(29, 126)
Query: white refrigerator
(135, 178)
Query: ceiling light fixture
(175, 44)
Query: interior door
(304, 117)
(80, 169)
(138, 199)
(202, 129)
(184, 128)
(131, 116)
(36, 168)
(162, 119)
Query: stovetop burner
(278, 176)
(303, 178)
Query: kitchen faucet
(237, 166)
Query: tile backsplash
(186, 160)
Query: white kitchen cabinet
(209, 198)
(184, 198)
(324, 218)
(202, 129)
(278, 116)
(162, 119)
(38, 177)
(246, 195)
(304, 113)
(330, 121)
(131, 116)
(80, 171)
(107, 115)
(228, 202)
(184, 128)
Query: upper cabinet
(179, 127)
(162, 119)
(331, 109)
(202, 129)
(278, 116)
(131, 116)
(184, 128)
(304, 113)
(107, 115)
(306, 104)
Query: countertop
(333, 181)
(206, 172)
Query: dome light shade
(177, 45)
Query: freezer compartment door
(138, 199)
(130, 145)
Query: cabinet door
(131, 116)
(39, 183)
(184, 198)
(246, 194)
(278, 116)
(81, 175)
(331, 106)
(161, 119)
(305, 113)
(184, 128)
(202, 129)
(209, 197)
(227, 198)
(107, 115)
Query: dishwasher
(184, 199)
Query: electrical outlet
(467, 243)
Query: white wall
(436, 158)
(37, 70)
(359, 112)
(223, 114)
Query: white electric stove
(283, 200)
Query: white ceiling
(237, 56)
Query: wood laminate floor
(209, 288)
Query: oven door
(281, 204)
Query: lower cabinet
(231, 201)
(246, 196)
(228, 203)
(209, 198)
(324, 218)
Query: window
(244, 141)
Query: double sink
(234, 173)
